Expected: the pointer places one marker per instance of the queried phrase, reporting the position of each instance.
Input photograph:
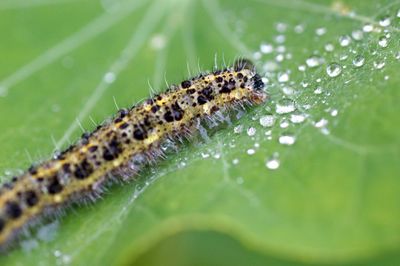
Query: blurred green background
(334, 198)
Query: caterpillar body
(122, 146)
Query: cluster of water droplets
(329, 68)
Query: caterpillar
(122, 146)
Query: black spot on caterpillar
(122, 147)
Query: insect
(121, 147)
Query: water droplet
(383, 42)
(344, 40)
(281, 27)
(239, 180)
(283, 77)
(358, 61)
(397, 55)
(251, 151)
(343, 57)
(299, 28)
(368, 28)
(267, 121)
(329, 47)
(297, 118)
(288, 90)
(357, 35)
(379, 64)
(321, 123)
(257, 55)
(398, 13)
(158, 41)
(273, 162)
(217, 156)
(281, 49)
(266, 48)
(318, 90)
(251, 131)
(66, 259)
(314, 61)
(205, 155)
(287, 139)
(109, 77)
(385, 21)
(238, 129)
(333, 70)
(320, 31)
(302, 68)
(285, 106)
(235, 161)
(334, 112)
(279, 58)
(270, 66)
(280, 38)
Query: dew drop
(281, 27)
(321, 123)
(109, 77)
(284, 123)
(280, 38)
(299, 28)
(251, 131)
(288, 90)
(329, 47)
(266, 48)
(358, 61)
(238, 129)
(398, 13)
(302, 68)
(379, 64)
(385, 21)
(383, 42)
(267, 121)
(320, 31)
(257, 55)
(297, 118)
(239, 180)
(283, 77)
(235, 161)
(313, 61)
(273, 162)
(279, 58)
(357, 35)
(318, 90)
(368, 28)
(205, 155)
(344, 40)
(397, 55)
(334, 112)
(333, 70)
(285, 106)
(343, 57)
(158, 42)
(251, 151)
(281, 49)
(287, 139)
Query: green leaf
(334, 195)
